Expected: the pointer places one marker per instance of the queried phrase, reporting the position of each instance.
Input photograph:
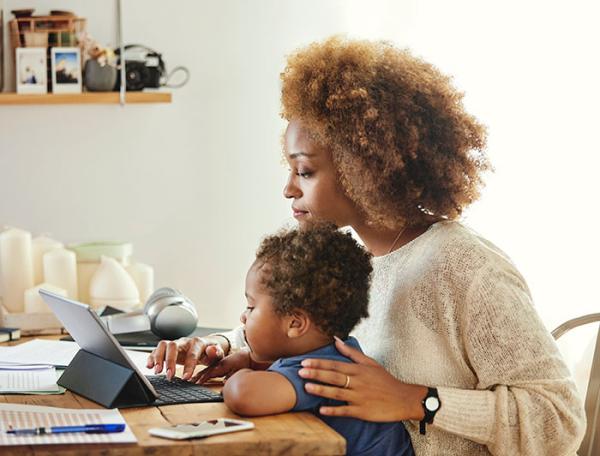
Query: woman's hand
(226, 367)
(189, 351)
(371, 392)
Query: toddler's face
(263, 328)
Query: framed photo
(66, 70)
(31, 70)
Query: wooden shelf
(83, 98)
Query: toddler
(305, 287)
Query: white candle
(111, 285)
(143, 276)
(34, 303)
(85, 272)
(60, 269)
(39, 246)
(17, 269)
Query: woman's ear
(297, 324)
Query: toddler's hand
(226, 367)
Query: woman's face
(312, 184)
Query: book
(7, 334)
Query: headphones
(168, 313)
(171, 314)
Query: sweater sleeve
(524, 402)
(235, 338)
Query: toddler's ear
(297, 324)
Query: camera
(144, 68)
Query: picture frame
(66, 70)
(31, 70)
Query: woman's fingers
(186, 351)
(355, 355)
(191, 358)
(341, 410)
(156, 358)
(324, 376)
(201, 351)
(213, 354)
(327, 364)
(171, 358)
(330, 392)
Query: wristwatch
(431, 404)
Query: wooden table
(285, 434)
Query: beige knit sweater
(450, 310)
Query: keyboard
(177, 391)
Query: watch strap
(429, 414)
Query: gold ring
(347, 382)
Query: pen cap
(102, 428)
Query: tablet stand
(102, 381)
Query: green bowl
(93, 251)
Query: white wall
(195, 184)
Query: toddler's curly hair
(320, 270)
(405, 150)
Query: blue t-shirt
(362, 437)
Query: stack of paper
(57, 353)
(26, 379)
(32, 416)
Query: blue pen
(88, 428)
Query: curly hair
(405, 150)
(319, 270)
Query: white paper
(140, 359)
(4, 366)
(32, 416)
(57, 353)
(40, 351)
(25, 380)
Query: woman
(379, 140)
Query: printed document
(32, 416)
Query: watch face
(432, 404)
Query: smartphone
(202, 429)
